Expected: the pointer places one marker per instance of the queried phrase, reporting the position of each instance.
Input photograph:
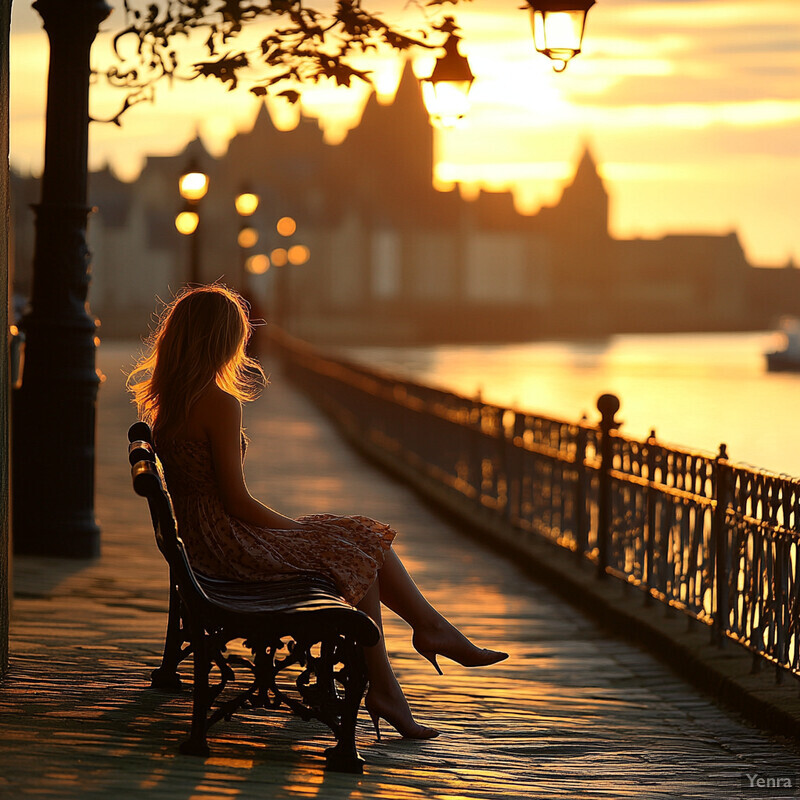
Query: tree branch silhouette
(305, 45)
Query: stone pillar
(54, 410)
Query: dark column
(54, 410)
(280, 313)
(194, 255)
(5, 567)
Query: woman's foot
(393, 707)
(446, 640)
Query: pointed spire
(196, 149)
(263, 120)
(586, 173)
(587, 166)
(407, 104)
(408, 88)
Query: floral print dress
(348, 549)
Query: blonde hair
(200, 338)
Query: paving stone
(572, 713)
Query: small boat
(787, 359)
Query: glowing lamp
(246, 203)
(558, 27)
(257, 265)
(186, 222)
(286, 226)
(446, 92)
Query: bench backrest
(148, 482)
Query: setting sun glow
(691, 109)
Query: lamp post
(246, 203)
(192, 185)
(281, 257)
(558, 27)
(54, 409)
(446, 91)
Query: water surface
(695, 390)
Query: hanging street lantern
(446, 91)
(558, 27)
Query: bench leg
(196, 744)
(166, 676)
(344, 756)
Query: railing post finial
(607, 405)
(719, 544)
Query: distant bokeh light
(298, 254)
(286, 226)
(257, 264)
(246, 203)
(248, 237)
(186, 222)
(193, 186)
(278, 257)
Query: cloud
(733, 60)
(680, 99)
(647, 90)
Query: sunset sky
(691, 107)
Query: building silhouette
(393, 259)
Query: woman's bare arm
(221, 416)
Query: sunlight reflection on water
(696, 390)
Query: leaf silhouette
(224, 68)
(290, 94)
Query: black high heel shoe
(403, 728)
(477, 657)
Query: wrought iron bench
(303, 642)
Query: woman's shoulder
(215, 404)
(218, 399)
(214, 409)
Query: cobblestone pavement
(572, 713)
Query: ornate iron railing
(716, 540)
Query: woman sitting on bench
(190, 388)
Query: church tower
(389, 156)
(583, 210)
